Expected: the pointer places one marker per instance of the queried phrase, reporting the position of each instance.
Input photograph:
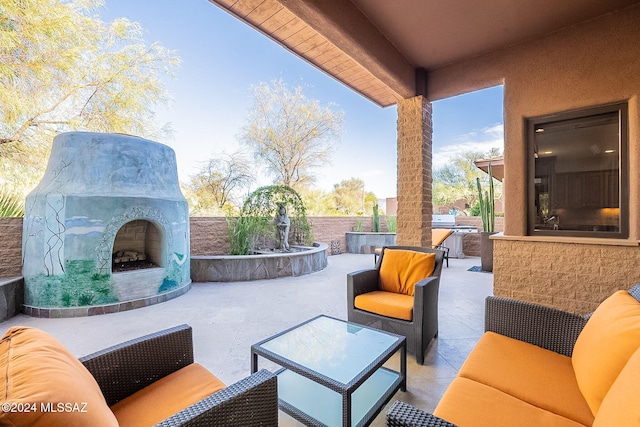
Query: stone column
(414, 172)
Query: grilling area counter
(464, 241)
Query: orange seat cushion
(604, 346)
(390, 304)
(468, 403)
(402, 269)
(37, 373)
(530, 373)
(166, 397)
(620, 406)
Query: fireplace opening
(138, 245)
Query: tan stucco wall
(591, 64)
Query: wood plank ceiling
(376, 46)
(280, 24)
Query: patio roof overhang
(385, 50)
(497, 166)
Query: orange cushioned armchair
(149, 381)
(400, 295)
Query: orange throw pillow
(401, 269)
(620, 405)
(44, 385)
(605, 345)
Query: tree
(220, 180)
(457, 180)
(318, 202)
(291, 134)
(351, 198)
(62, 68)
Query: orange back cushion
(167, 396)
(620, 405)
(439, 235)
(402, 269)
(37, 374)
(605, 345)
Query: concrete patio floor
(228, 317)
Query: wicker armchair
(542, 326)
(126, 368)
(423, 326)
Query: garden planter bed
(362, 242)
(235, 268)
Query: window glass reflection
(577, 174)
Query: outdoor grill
(453, 242)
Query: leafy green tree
(350, 198)
(291, 134)
(219, 183)
(318, 202)
(457, 180)
(62, 68)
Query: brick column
(414, 172)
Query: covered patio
(227, 318)
(553, 58)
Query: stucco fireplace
(107, 228)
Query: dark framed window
(578, 173)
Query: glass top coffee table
(332, 371)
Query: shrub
(11, 206)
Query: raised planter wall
(233, 268)
(366, 242)
(11, 297)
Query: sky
(223, 57)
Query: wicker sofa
(152, 380)
(537, 366)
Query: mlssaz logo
(63, 407)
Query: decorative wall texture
(94, 185)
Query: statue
(283, 223)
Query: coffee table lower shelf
(314, 404)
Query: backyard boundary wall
(210, 236)
(11, 247)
